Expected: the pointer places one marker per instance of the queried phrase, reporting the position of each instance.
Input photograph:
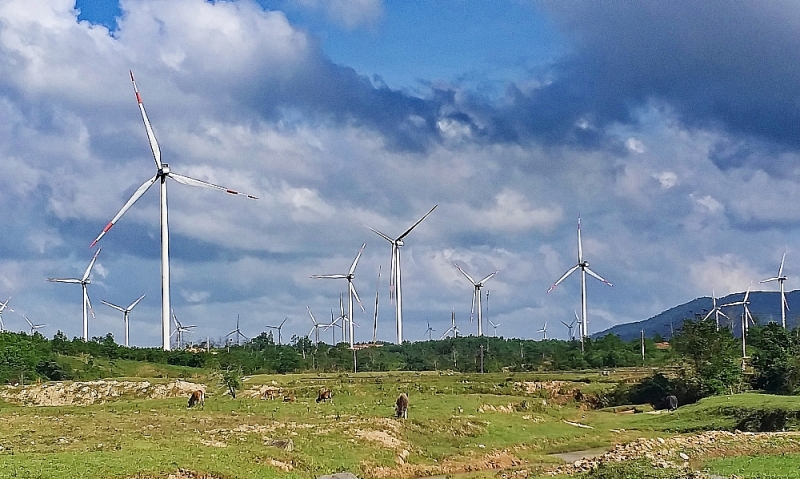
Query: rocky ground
(94, 392)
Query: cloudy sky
(672, 129)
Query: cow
(324, 394)
(401, 406)
(289, 397)
(672, 402)
(197, 397)
(270, 393)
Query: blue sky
(671, 129)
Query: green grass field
(457, 423)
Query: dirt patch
(382, 437)
(559, 392)
(493, 461)
(94, 392)
(179, 474)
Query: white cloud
(347, 13)
(724, 274)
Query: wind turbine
(279, 328)
(453, 328)
(237, 331)
(162, 173)
(395, 287)
(570, 326)
(83, 281)
(3, 307)
(543, 331)
(180, 329)
(332, 325)
(34, 327)
(716, 310)
(584, 267)
(780, 279)
(125, 312)
(494, 326)
(351, 273)
(315, 328)
(746, 316)
(429, 331)
(476, 296)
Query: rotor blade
(313, 320)
(390, 240)
(415, 224)
(355, 293)
(136, 195)
(120, 308)
(328, 276)
(563, 277)
(465, 274)
(592, 273)
(562, 322)
(186, 180)
(91, 264)
(355, 261)
(487, 279)
(89, 302)
(28, 320)
(474, 300)
(392, 273)
(723, 314)
(747, 294)
(709, 314)
(580, 244)
(284, 320)
(769, 279)
(65, 280)
(150, 136)
(780, 270)
(133, 305)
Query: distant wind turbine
(125, 312)
(162, 173)
(315, 328)
(34, 327)
(237, 332)
(3, 307)
(494, 326)
(453, 328)
(584, 267)
(180, 329)
(351, 273)
(476, 296)
(543, 331)
(395, 285)
(83, 281)
(780, 279)
(716, 310)
(429, 331)
(570, 326)
(745, 317)
(279, 327)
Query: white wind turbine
(395, 287)
(162, 173)
(543, 331)
(716, 310)
(494, 326)
(83, 281)
(237, 332)
(315, 328)
(180, 329)
(428, 331)
(3, 307)
(745, 317)
(780, 279)
(351, 273)
(375, 318)
(453, 327)
(570, 326)
(476, 296)
(584, 267)
(34, 327)
(125, 312)
(279, 327)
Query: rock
(684, 456)
(285, 444)
(339, 475)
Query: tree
(232, 379)
(775, 361)
(714, 356)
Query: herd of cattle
(198, 398)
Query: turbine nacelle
(164, 170)
(399, 243)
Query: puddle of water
(578, 455)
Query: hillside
(764, 306)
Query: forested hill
(764, 306)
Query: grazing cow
(270, 394)
(672, 402)
(289, 397)
(401, 409)
(325, 394)
(197, 398)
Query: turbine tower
(780, 279)
(584, 267)
(351, 273)
(125, 312)
(162, 173)
(83, 281)
(395, 287)
(476, 296)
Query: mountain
(765, 307)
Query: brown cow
(325, 394)
(197, 397)
(401, 409)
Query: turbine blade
(465, 274)
(133, 305)
(136, 195)
(709, 314)
(769, 279)
(329, 276)
(89, 302)
(151, 137)
(390, 240)
(64, 280)
(186, 180)
(355, 261)
(313, 320)
(563, 277)
(780, 270)
(91, 264)
(415, 224)
(488, 278)
(112, 305)
(592, 273)
(355, 293)
(580, 244)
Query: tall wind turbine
(780, 279)
(570, 326)
(83, 281)
(395, 287)
(716, 310)
(476, 296)
(3, 307)
(279, 327)
(351, 273)
(584, 267)
(125, 312)
(162, 173)
(34, 327)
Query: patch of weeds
(638, 470)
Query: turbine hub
(164, 169)
(399, 243)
